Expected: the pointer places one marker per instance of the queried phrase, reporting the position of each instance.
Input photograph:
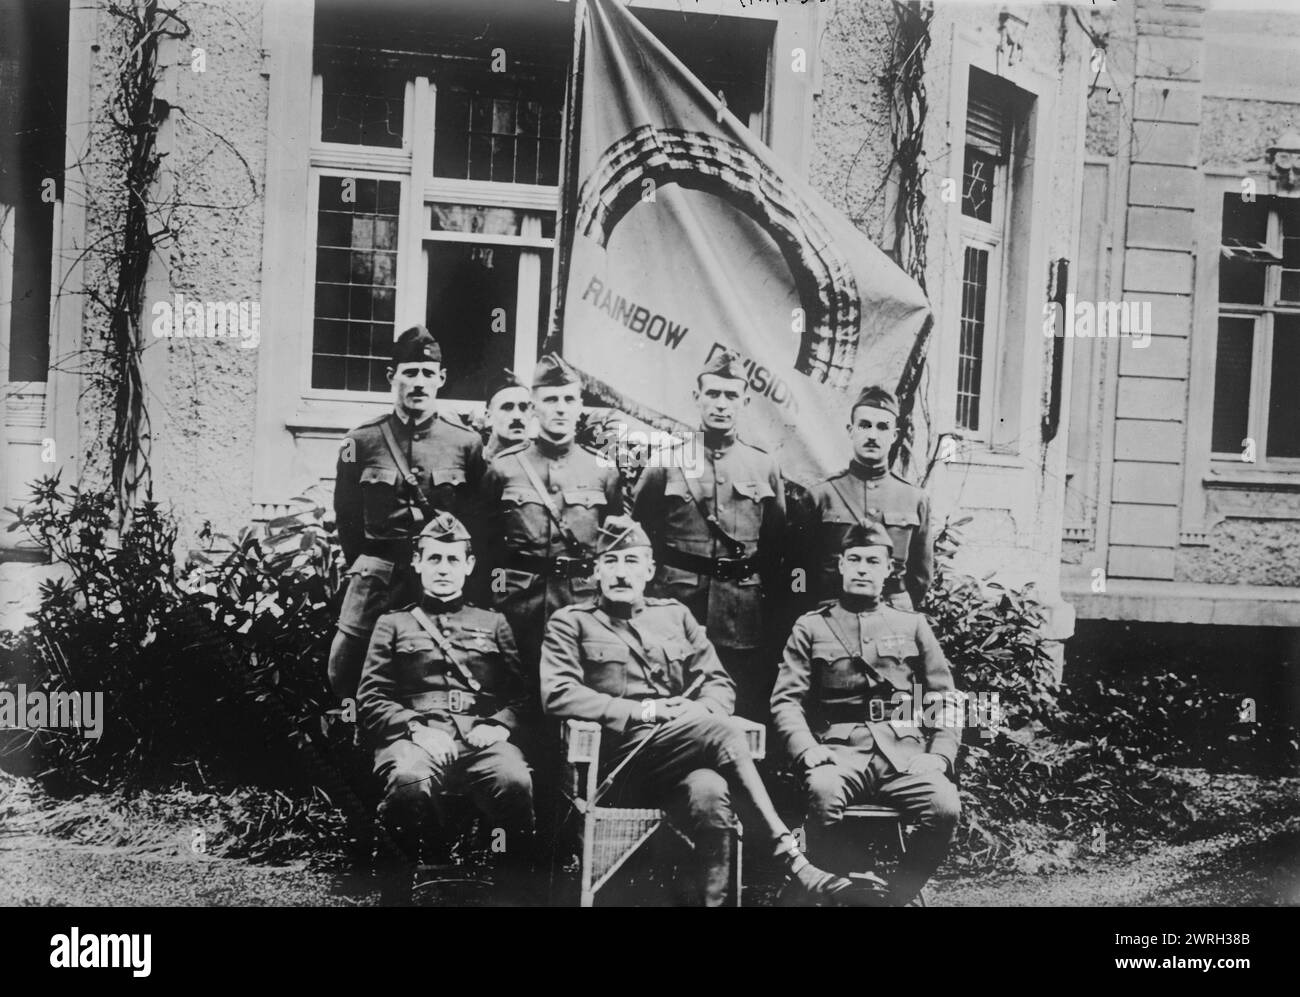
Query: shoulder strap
(736, 548)
(403, 468)
(844, 496)
(444, 645)
(566, 534)
(637, 652)
(856, 655)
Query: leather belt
(726, 569)
(451, 700)
(560, 566)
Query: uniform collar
(405, 422)
(718, 441)
(867, 472)
(440, 607)
(622, 610)
(856, 604)
(550, 448)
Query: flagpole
(568, 180)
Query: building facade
(1183, 470)
(334, 172)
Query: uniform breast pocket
(895, 653)
(524, 512)
(677, 653)
(378, 494)
(606, 666)
(447, 476)
(837, 673)
(901, 524)
(416, 657)
(748, 505)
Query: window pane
(472, 310)
(356, 267)
(1232, 384)
(977, 185)
(1241, 282)
(1284, 399)
(361, 105)
(500, 131)
(970, 350)
(1245, 221)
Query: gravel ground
(1243, 851)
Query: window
(984, 196)
(436, 170)
(1257, 357)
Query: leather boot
(713, 855)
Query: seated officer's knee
(825, 794)
(708, 799)
(942, 804)
(410, 775)
(721, 735)
(510, 773)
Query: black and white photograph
(651, 453)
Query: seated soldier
(836, 706)
(441, 692)
(644, 669)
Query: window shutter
(988, 126)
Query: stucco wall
(200, 392)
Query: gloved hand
(438, 743)
(485, 734)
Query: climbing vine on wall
(905, 79)
(132, 121)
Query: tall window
(1257, 360)
(436, 170)
(984, 197)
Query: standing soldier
(847, 671)
(868, 489)
(716, 526)
(441, 694)
(546, 500)
(644, 669)
(508, 410)
(394, 474)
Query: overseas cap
(877, 397)
(444, 528)
(866, 533)
(416, 345)
(725, 364)
(553, 371)
(621, 533)
(500, 382)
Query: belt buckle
(458, 701)
(874, 707)
(729, 569)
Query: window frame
(1261, 373)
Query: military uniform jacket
(519, 526)
(598, 667)
(845, 498)
(373, 502)
(743, 486)
(407, 675)
(823, 695)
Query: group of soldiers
(657, 620)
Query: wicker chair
(612, 835)
(871, 814)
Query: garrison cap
(444, 528)
(877, 397)
(552, 371)
(416, 345)
(725, 364)
(621, 533)
(866, 533)
(500, 382)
